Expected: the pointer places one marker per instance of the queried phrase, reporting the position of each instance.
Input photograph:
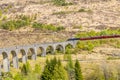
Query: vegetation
(26, 69)
(22, 21)
(90, 45)
(16, 24)
(47, 27)
(61, 2)
(78, 72)
(70, 67)
(85, 10)
(54, 70)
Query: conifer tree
(59, 73)
(78, 73)
(70, 67)
(54, 70)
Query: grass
(113, 58)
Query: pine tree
(78, 73)
(70, 67)
(59, 73)
(54, 70)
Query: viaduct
(29, 51)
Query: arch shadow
(50, 50)
(40, 51)
(59, 49)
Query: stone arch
(50, 49)
(31, 54)
(59, 48)
(69, 45)
(14, 57)
(40, 51)
(23, 56)
(6, 63)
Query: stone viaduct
(29, 52)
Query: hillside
(24, 22)
(76, 17)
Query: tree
(46, 75)
(78, 73)
(70, 67)
(59, 73)
(54, 70)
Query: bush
(47, 27)
(16, 24)
(18, 76)
(59, 2)
(0, 13)
(7, 76)
(37, 69)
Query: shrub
(18, 76)
(16, 24)
(78, 73)
(47, 27)
(7, 76)
(59, 2)
(37, 69)
(0, 13)
(81, 10)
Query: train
(95, 37)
